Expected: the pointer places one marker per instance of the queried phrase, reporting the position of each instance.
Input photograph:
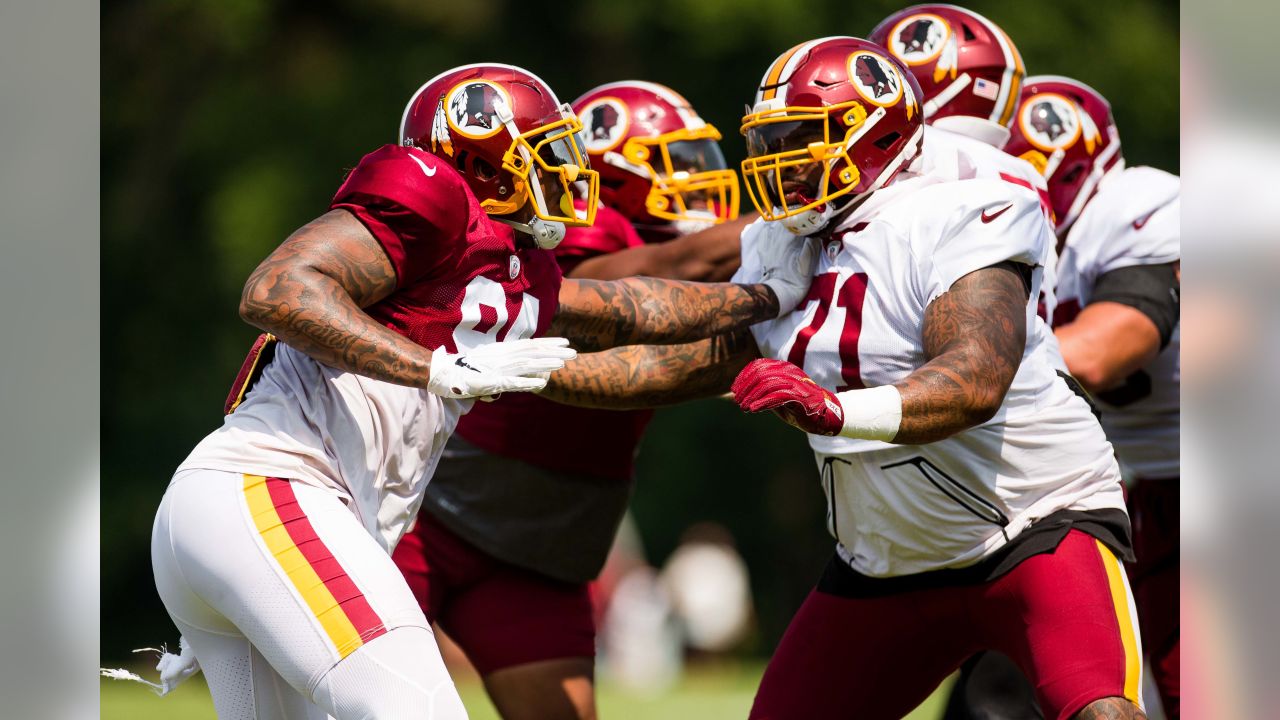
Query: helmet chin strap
(810, 221)
(546, 233)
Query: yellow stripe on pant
(266, 517)
(1124, 617)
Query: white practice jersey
(1132, 220)
(375, 443)
(898, 510)
(959, 157)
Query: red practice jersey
(558, 437)
(462, 280)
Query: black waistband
(1110, 526)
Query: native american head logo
(875, 78)
(1049, 121)
(471, 110)
(604, 122)
(918, 38)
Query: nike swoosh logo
(428, 171)
(988, 218)
(1140, 222)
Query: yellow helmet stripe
(1013, 80)
(775, 73)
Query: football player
(420, 289)
(1117, 324)
(974, 498)
(521, 513)
(969, 73)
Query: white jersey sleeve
(1132, 220)
(749, 271)
(989, 222)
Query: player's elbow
(1094, 374)
(983, 409)
(255, 305)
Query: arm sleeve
(999, 224)
(420, 219)
(1150, 289)
(750, 271)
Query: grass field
(702, 695)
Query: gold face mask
(551, 169)
(799, 157)
(688, 175)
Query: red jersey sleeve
(414, 204)
(610, 233)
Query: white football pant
(293, 610)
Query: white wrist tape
(871, 414)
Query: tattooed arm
(643, 376)
(597, 314)
(310, 291)
(974, 336)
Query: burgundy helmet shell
(1065, 129)
(510, 138)
(968, 68)
(834, 119)
(659, 162)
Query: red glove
(785, 389)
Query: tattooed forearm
(974, 335)
(642, 376)
(309, 293)
(597, 315)
(1112, 708)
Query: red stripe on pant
(349, 597)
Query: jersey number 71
(849, 295)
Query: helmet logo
(1049, 122)
(469, 107)
(604, 121)
(875, 78)
(917, 39)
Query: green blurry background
(228, 123)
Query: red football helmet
(516, 145)
(834, 120)
(1065, 129)
(966, 65)
(659, 163)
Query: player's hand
(511, 366)
(788, 263)
(786, 390)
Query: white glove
(514, 365)
(788, 264)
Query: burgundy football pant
(499, 614)
(1066, 618)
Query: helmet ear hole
(886, 141)
(968, 34)
(483, 169)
